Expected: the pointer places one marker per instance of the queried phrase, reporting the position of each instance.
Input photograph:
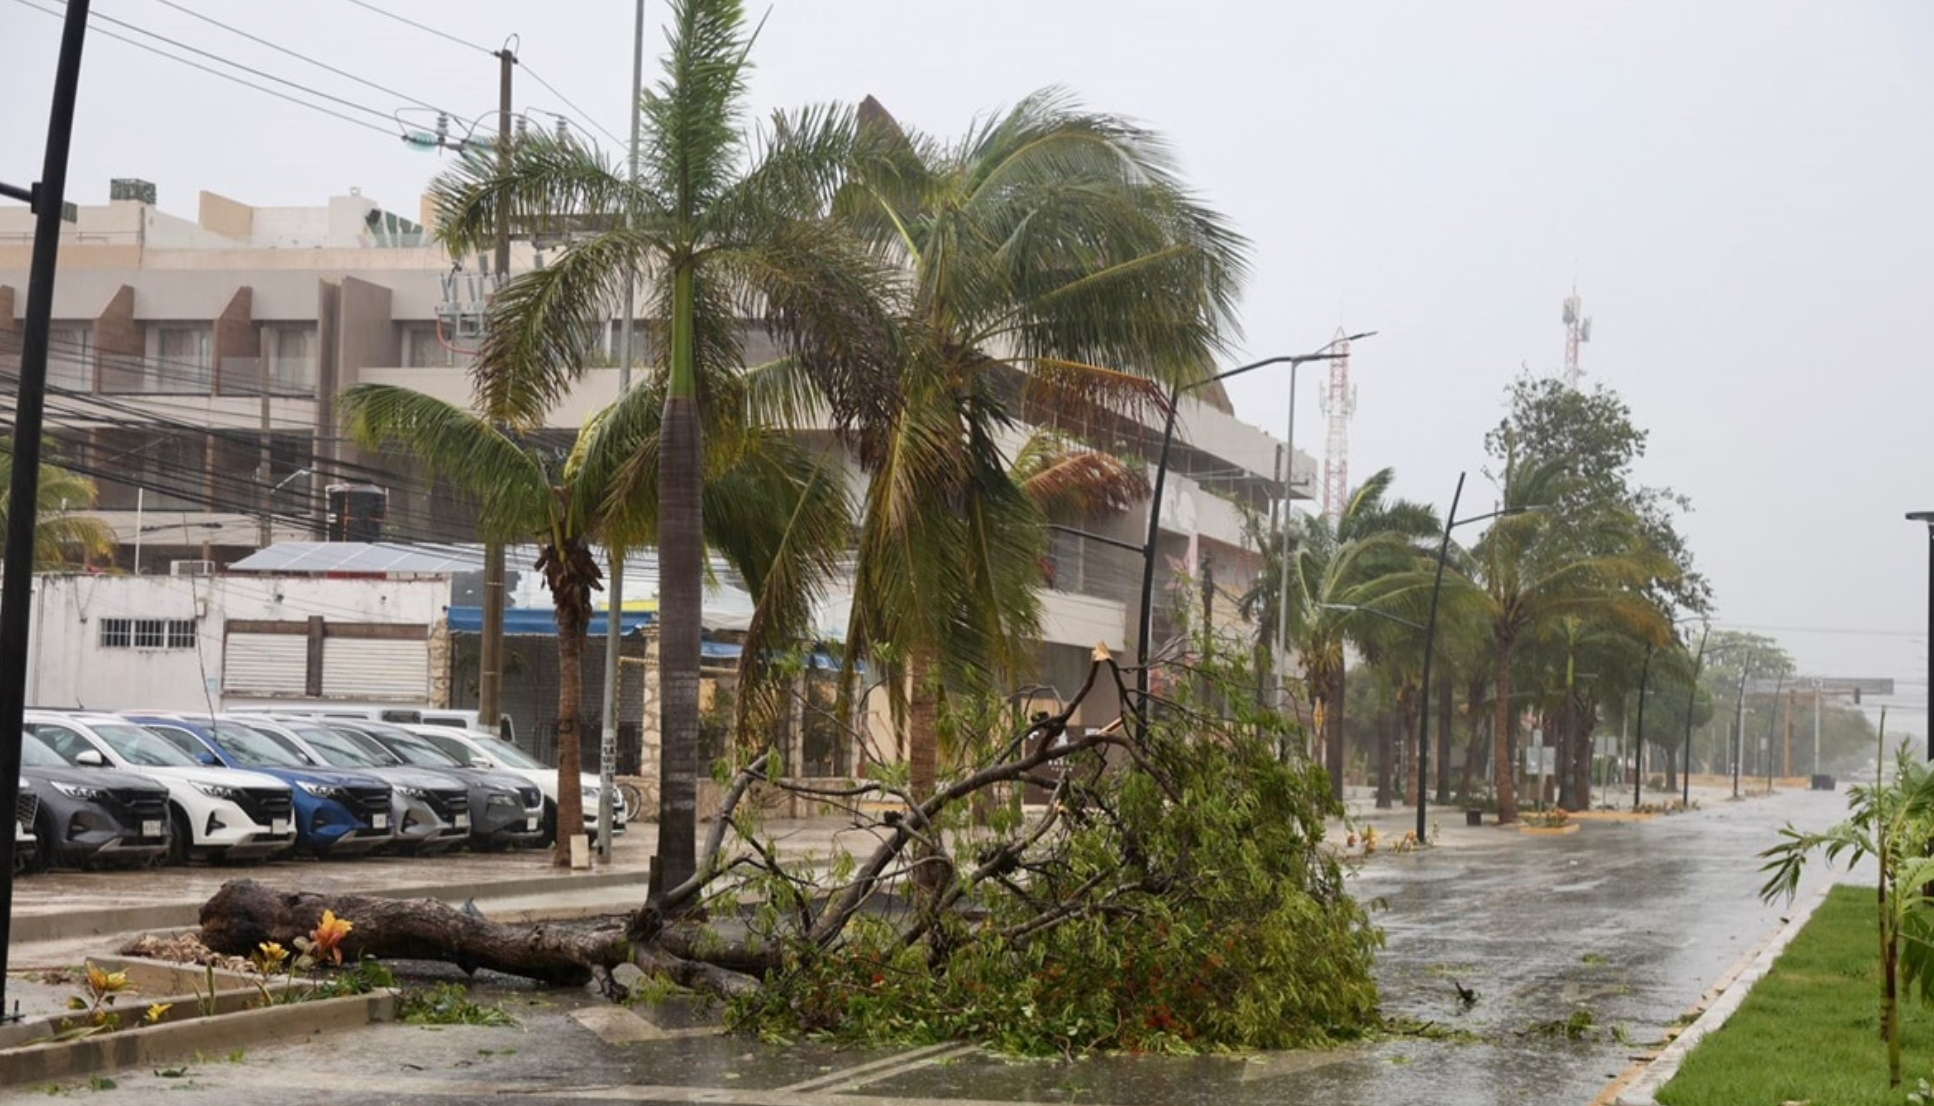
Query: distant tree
(59, 532)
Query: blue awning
(541, 620)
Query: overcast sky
(1739, 191)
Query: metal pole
(1772, 727)
(614, 628)
(1816, 727)
(490, 677)
(1282, 595)
(1638, 736)
(16, 582)
(1146, 627)
(1739, 723)
(1430, 639)
(1692, 700)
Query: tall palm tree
(1057, 267)
(727, 228)
(1362, 559)
(776, 515)
(58, 531)
(1533, 567)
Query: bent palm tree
(1056, 265)
(780, 520)
(57, 530)
(727, 232)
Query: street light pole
(1423, 691)
(1638, 737)
(1692, 699)
(1145, 623)
(1928, 518)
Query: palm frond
(513, 489)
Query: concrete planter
(1614, 815)
(1549, 831)
(237, 1019)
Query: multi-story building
(193, 362)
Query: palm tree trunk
(1333, 750)
(923, 724)
(681, 552)
(1446, 712)
(1505, 779)
(570, 755)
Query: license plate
(530, 823)
(379, 821)
(462, 821)
(151, 827)
(279, 825)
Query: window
(422, 349)
(147, 633)
(70, 358)
(184, 356)
(292, 360)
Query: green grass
(1810, 1031)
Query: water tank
(356, 512)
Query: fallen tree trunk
(244, 914)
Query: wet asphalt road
(1628, 923)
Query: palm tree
(779, 519)
(57, 530)
(1363, 559)
(1533, 567)
(1056, 268)
(727, 229)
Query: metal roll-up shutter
(375, 668)
(265, 665)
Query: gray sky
(1739, 190)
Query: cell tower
(1339, 403)
(1578, 331)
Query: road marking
(875, 1070)
(620, 1025)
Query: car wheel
(181, 841)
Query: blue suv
(336, 813)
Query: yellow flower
(328, 936)
(159, 1010)
(269, 957)
(103, 982)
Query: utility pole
(614, 610)
(490, 677)
(46, 197)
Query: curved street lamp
(1928, 518)
(1145, 623)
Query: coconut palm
(1057, 269)
(726, 228)
(58, 531)
(777, 517)
(1363, 559)
(1533, 567)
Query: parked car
(217, 813)
(505, 808)
(336, 813)
(486, 750)
(431, 811)
(26, 846)
(83, 817)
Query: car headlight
(82, 791)
(219, 791)
(590, 794)
(323, 790)
(504, 798)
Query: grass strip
(1810, 1030)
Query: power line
(425, 28)
(386, 132)
(185, 10)
(587, 116)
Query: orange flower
(328, 936)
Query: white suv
(218, 812)
(480, 749)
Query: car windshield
(509, 754)
(347, 750)
(252, 747)
(179, 738)
(455, 747)
(419, 750)
(140, 745)
(34, 751)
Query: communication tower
(1578, 331)
(1339, 403)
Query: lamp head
(1921, 516)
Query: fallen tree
(1172, 893)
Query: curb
(31, 928)
(1643, 1090)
